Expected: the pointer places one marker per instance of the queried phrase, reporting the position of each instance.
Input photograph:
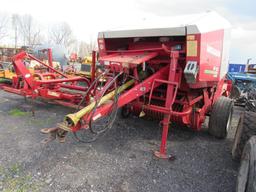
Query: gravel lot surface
(119, 161)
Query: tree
(3, 25)
(73, 47)
(61, 34)
(15, 23)
(86, 49)
(29, 30)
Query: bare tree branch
(15, 23)
(61, 34)
(86, 49)
(3, 25)
(29, 30)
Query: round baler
(176, 74)
(173, 73)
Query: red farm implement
(176, 74)
(46, 83)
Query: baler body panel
(204, 49)
(211, 45)
(204, 42)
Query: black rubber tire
(250, 105)
(235, 92)
(246, 180)
(246, 128)
(125, 111)
(220, 118)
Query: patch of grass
(13, 179)
(41, 122)
(17, 112)
(3, 80)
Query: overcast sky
(87, 18)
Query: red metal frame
(170, 97)
(181, 102)
(93, 69)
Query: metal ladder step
(160, 108)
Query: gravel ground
(120, 161)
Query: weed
(17, 112)
(13, 179)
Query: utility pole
(247, 64)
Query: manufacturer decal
(211, 72)
(191, 37)
(53, 93)
(213, 51)
(208, 71)
(192, 48)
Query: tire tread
(219, 117)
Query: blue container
(236, 67)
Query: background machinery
(244, 83)
(83, 67)
(44, 82)
(244, 146)
(6, 68)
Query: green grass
(2, 80)
(17, 112)
(13, 179)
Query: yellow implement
(6, 74)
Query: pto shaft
(74, 118)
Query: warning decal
(192, 48)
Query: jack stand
(164, 156)
(162, 153)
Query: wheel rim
(229, 121)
